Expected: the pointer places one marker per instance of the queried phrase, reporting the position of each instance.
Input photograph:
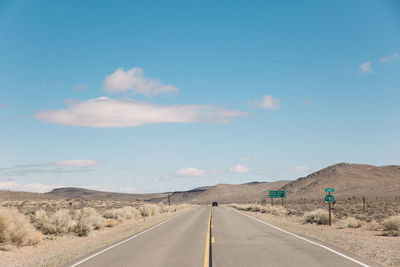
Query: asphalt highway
(235, 239)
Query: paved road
(239, 240)
(178, 242)
(243, 241)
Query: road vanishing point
(218, 236)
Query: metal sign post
(144, 213)
(330, 199)
(330, 217)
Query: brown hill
(228, 193)
(73, 192)
(348, 180)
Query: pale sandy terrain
(63, 249)
(368, 244)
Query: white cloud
(245, 158)
(107, 112)
(191, 172)
(78, 163)
(239, 169)
(366, 67)
(79, 87)
(299, 169)
(389, 58)
(128, 189)
(134, 80)
(270, 102)
(6, 184)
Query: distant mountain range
(348, 180)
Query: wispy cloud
(245, 158)
(389, 58)
(78, 163)
(134, 80)
(300, 169)
(366, 67)
(104, 112)
(269, 102)
(79, 87)
(65, 166)
(191, 172)
(239, 169)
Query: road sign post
(144, 213)
(330, 199)
(276, 194)
(330, 218)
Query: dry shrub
(318, 216)
(16, 229)
(121, 214)
(350, 222)
(146, 209)
(373, 226)
(113, 214)
(275, 210)
(58, 223)
(90, 217)
(392, 225)
(111, 222)
(163, 208)
(131, 212)
(245, 207)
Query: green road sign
(329, 198)
(277, 194)
(329, 189)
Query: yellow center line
(207, 249)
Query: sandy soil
(368, 244)
(64, 249)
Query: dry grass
(111, 222)
(58, 223)
(350, 222)
(15, 229)
(373, 226)
(392, 225)
(275, 210)
(318, 216)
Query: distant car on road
(215, 204)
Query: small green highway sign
(329, 189)
(277, 194)
(329, 198)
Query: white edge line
(307, 240)
(123, 241)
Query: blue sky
(149, 96)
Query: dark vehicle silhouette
(215, 204)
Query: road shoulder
(362, 245)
